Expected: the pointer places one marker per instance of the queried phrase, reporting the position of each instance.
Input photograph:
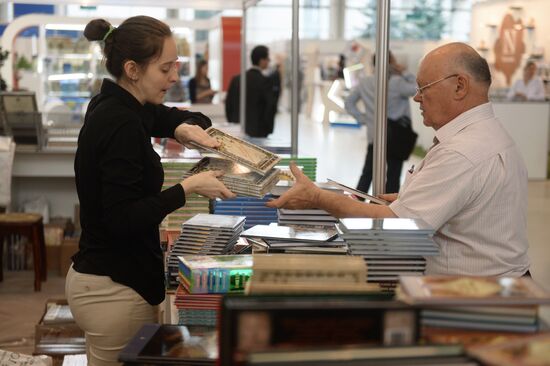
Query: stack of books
(305, 217)
(218, 274)
(204, 234)
(302, 274)
(308, 165)
(249, 169)
(174, 169)
(532, 350)
(297, 239)
(391, 247)
(240, 180)
(197, 309)
(476, 303)
(254, 209)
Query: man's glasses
(420, 89)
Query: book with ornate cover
(242, 152)
(528, 351)
(457, 290)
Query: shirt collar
(109, 87)
(476, 114)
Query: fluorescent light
(58, 77)
(77, 27)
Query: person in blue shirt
(401, 86)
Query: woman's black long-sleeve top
(118, 179)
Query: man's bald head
(459, 57)
(454, 78)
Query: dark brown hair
(139, 39)
(200, 65)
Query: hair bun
(96, 29)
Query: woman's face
(204, 70)
(160, 74)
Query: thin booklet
(359, 193)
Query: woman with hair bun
(117, 277)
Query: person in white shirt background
(472, 185)
(530, 87)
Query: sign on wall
(509, 47)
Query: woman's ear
(131, 69)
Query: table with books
(307, 288)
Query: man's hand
(185, 133)
(390, 197)
(303, 195)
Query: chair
(29, 225)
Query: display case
(72, 72)
(68, 69)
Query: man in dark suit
(259, 96)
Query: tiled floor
(340, 152)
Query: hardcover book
(242, 152)
(455, 290)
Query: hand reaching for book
(207, 184)
(186, 133)
(303, 195)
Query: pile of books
(476, 303)
(204, 234)
(57, 333)
(237, 178)
(174, 169)
(297, 239)
(307, 165)
(305, 217)
(218, 274)
(197, 309)
(391, 247)
(302, 274)
(254, 209)
(249, 169)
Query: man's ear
(131, 69)
(462, 87)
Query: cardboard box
(53, 254)
(69, 247)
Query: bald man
(472, 185)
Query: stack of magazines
(240, 180)
(305, 217)
(197, 309)
(204, 234)
(297, 239)
(218, 274)
(254, 209)
(249, 169)
(307, 165)
(391, 247)
(476, 303)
